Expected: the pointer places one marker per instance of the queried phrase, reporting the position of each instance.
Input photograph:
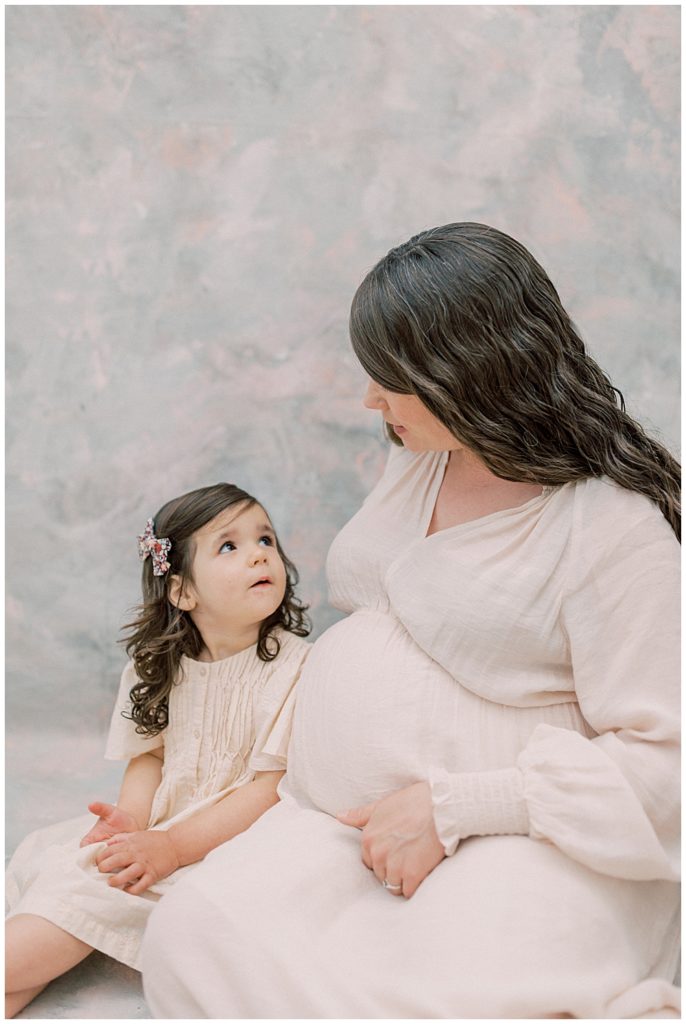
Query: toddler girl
(203, 713)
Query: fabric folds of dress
(527, 664)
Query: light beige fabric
(527, 665)
(227, 720)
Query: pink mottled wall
(194, 193)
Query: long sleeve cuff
(478, 804)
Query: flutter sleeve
(274, 711)
(611, 801)
(123, 742)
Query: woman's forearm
(193, 838)
(141, 779)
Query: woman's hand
(111, 820)
(399, 840)
(137, 860)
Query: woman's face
(417, 428)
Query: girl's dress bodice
(227, 720)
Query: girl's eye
(266, 540)
(228, 545)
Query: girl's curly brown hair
(162, 633)
(463, 317)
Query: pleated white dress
(227, 720)
(527, 665)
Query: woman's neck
(470, 491)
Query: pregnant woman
(480, 816)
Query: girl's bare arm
(132, 810)
(141, 780)
(197, 835)
(139, 859)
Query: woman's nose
(373, 399)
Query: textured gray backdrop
(194, 192)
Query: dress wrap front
(526, 665)
(227, 720)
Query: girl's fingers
(118, 838)
(101, 809)
(112, 861)
(128, 876)
(141, 885)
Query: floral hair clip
(158, 547)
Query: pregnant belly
(373, 714)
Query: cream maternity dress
(227, 720)
(527, 665)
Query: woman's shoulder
(610, 521)
(603, 502)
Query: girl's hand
(137, 860)
(399, 840)
(111, 820)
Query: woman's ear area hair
(179, 594)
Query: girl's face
(239, 579)
(417, 428)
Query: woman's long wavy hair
(162, 633)
(463, 317)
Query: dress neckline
(438, 470)
(238, 660)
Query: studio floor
(38, 795)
